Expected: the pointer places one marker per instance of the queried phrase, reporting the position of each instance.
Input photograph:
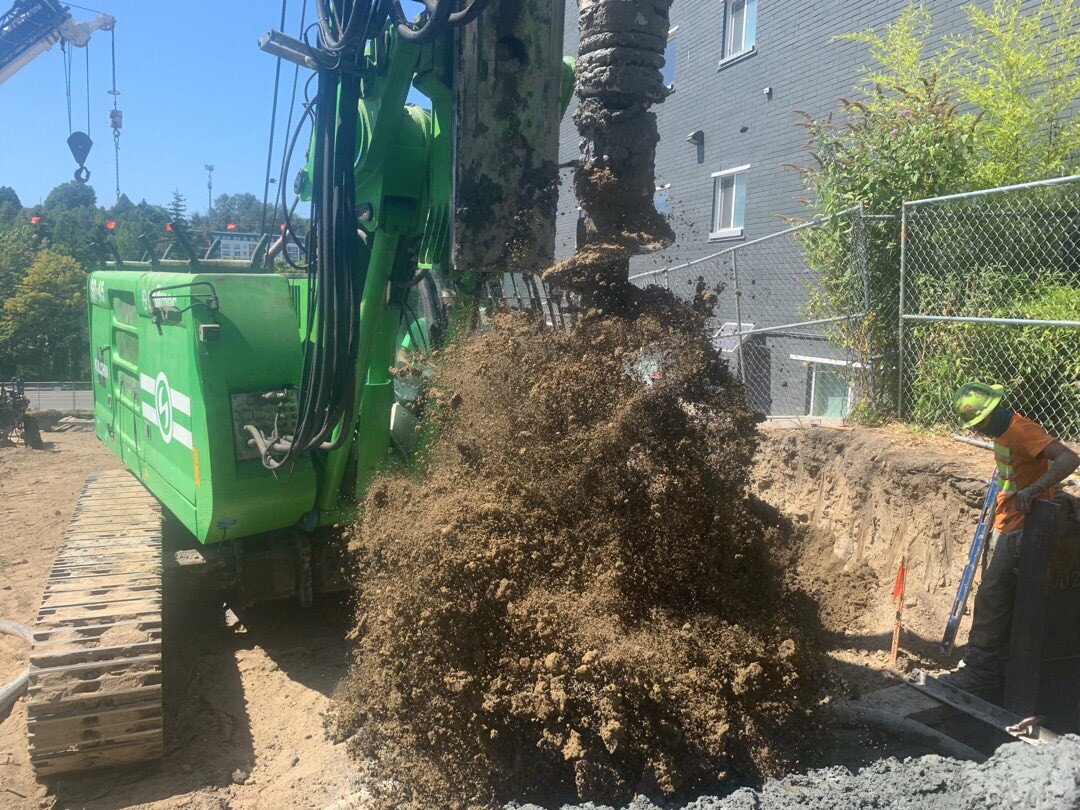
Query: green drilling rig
(250, 407)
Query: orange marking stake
(898, 602)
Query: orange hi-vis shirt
(1018, 467)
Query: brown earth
(859, 499)
(244, 704)
(575, 599)
(253, 697)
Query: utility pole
(209, 188)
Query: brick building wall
(796, 56)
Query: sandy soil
(244, 704)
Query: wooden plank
(984, 710)
(907, 701)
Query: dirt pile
(574, 599)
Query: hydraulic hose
(11, 691)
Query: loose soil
(575, 598)
(248, 700)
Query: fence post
(665, 276)
(900, 323)
(738, 313)
(862, 252)
(74, 401)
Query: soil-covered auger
(253, 406)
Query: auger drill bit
(618, 79)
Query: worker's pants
(991, 622)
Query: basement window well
(729, 203)
(830, 390)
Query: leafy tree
(121, 207)
(1020, 71)
(18, 247)
(244, 210)
(10, 205)
(1014, 77)
(177, 207)
(144, 218)
(43, 323)
(70, 195)
(905, 139)
(79, 232)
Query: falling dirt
(573, 599)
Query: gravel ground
(1017, 775)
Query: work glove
(1023, 499)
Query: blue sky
(195, 90)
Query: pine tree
(177, 207)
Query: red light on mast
(110, 224)
(231, 226)
(35, 220)
(168, 227)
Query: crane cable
(116, 118)
(86, 48)
(65, 55)
(273, 127)
(280, 197)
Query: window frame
(727, 54)
(716, 233)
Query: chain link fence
(787, 312)
(990, 290)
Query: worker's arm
(1063, 462)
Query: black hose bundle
(335, 275)
(327, 390)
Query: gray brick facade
(795, 55)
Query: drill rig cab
(255, 406)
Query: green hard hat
(974, 401)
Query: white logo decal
(97, 291)
(163, 406)
(158, 301)
(167, 401)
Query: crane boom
(31, 27)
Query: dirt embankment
(864, 497)
(575, 599)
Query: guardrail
(60, 395)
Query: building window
(740, 27)
(729, 203)
(660, 199)
(667, 72)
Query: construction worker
(1030, 463)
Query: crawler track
(95, 667)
